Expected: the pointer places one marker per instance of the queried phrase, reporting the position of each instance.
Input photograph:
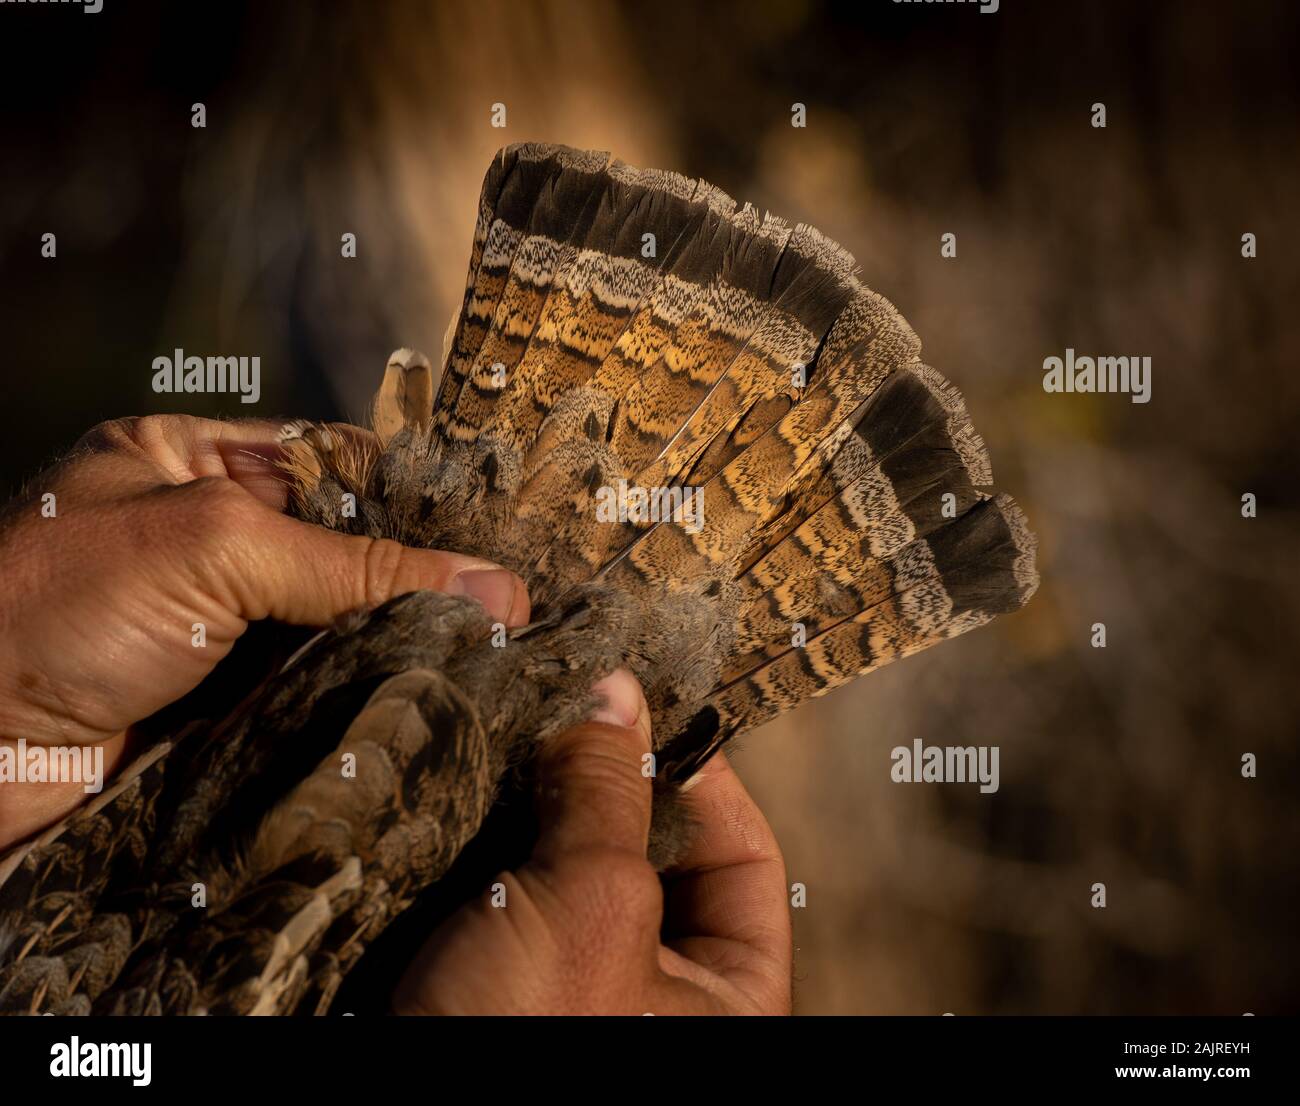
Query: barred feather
(618, 325)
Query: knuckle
(155, 436)
(602, 756)
(610, 769)
(112, 434)
(629, 881)
(381, 563)
(146, 431)
(617, 887)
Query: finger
(592, 792)
(179, 448)
(730, 888)
(731, 827)
(134, 454)
(261, 564)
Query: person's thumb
(262, 564)
(594, 787)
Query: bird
(714, 456)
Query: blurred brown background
(1119, 765)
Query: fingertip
(521, 606)
(503, 594)
(593, 786)
(623, 703)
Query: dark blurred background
(1119, 765)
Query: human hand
(587, 927)
(160, 523)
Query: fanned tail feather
(619, 327)
(842, 481)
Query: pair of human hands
(161, 522)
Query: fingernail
(493, 587)
(621, 696)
